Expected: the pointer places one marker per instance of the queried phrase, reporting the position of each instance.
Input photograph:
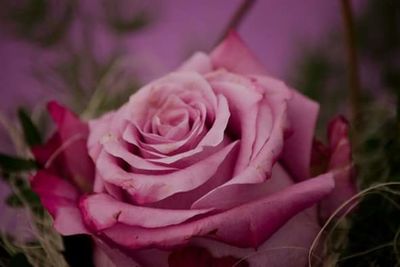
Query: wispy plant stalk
(237, 18)
(352, 61)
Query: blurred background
(49, 48)
(92, 54)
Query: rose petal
(47, 185)
(264, 126)
(148, 145)
(212, 138)
(59, 197)
(199, 62)
(287, 247)
(154, 94)
(42, 153)
(260, 168)
(273, 110)
(146, 188)
(68, 221)
(102, 211)
(302, 111)
(244, 104)
(98, 128)
(73, 135)
(252, 223)
(296, 155)
(116, 148)
(340, 163)
(226, 197)
(184, 200)
(232, 54)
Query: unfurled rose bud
(335, 158)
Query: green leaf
(14, 201)
(15, 164)
(31, 133)
(26, 194)
(122, 26)
(19, 260)
(30, 197)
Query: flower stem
(237, 18)
(352, 60)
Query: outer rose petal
(340, 163)
(98, 128)
(50, 187)
(102, 211)
(288, 247)
(251, 223)
(244, 104)
(199, 62)
(43, 153)
(67, 149)
(149, 188)
(68, 221)
(59, 197)
(258, 170)
(227, 197)
(303, 114)
(232, 54)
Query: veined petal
(73, 135)
(251, 223)
(232, 54)
(101, 211)
(302, 113)
(150, 188)
(60, 198)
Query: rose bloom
(207, 166)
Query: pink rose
(207, 166)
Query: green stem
(352, 61)
(237, 18)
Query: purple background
(275, 30)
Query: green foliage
(321, 78)
(35, 20)
(121, 21)
(92, 85)
(11, 259)
(45, 246)
(19, 260)
(30, 14)
(31, 133)
(136, 23)
(375, 224)
(315, 72)
(30, 197)
(370, 236)
(15, 164)
(14, 201)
